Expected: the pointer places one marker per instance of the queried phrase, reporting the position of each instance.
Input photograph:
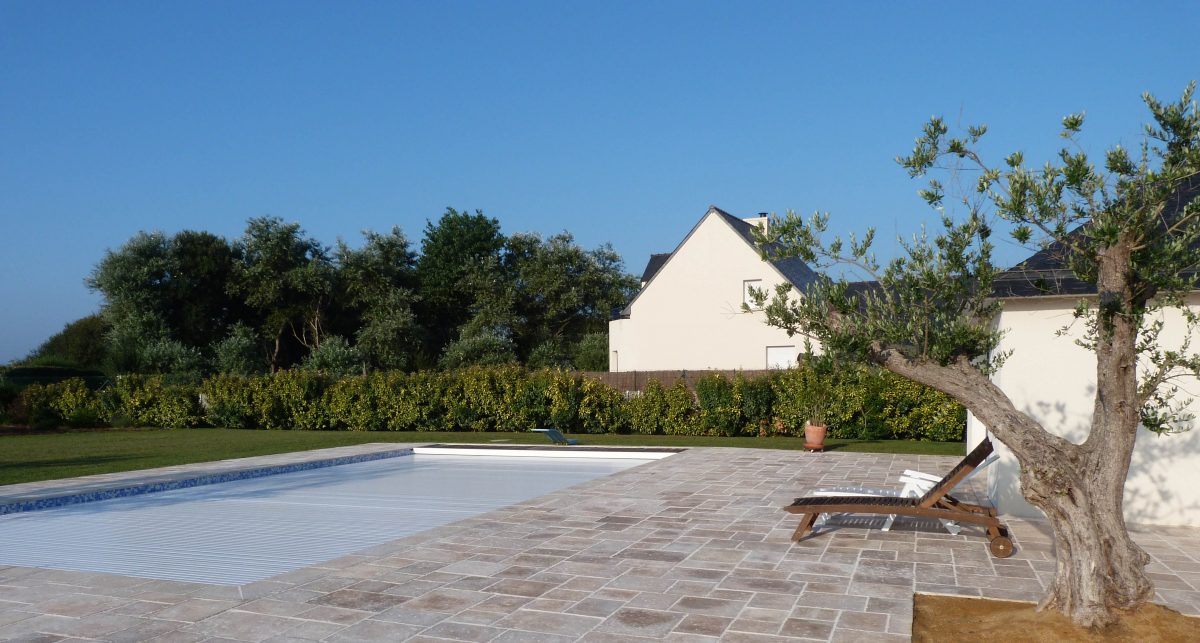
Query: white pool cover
(238, 532)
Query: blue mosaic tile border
(200, 480)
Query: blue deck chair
(556, 436)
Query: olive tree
(1126, 226)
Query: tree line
(194, 302)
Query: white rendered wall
(690, 315)
(1054, 380)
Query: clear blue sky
(617, 121)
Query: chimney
(761, 221)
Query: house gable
(791, 269)
(689, 313)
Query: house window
(747, 298)
(781, 356)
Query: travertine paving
(691, 548)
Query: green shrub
(290, 399)
(423, 399)
(564, 394)
(758, 400)
(459, 414)
(176, 407)
(915, 412)
(350, 404)
(80, 343)
(21, 376)
(601, 408)
(8, 400)
(483, 398)
(390, 402)
(552, 353)
(719, 408)
(483, 348)
(791, 401)
(35, 407)
(647, 411)
(138, 400)
(228, 401)
(857, 407)
(531, 402)
(76, 404)
(128, 401)
(857, 402)
(681, 417)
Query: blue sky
(620, 122)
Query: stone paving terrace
(691, 548)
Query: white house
(1053, 379)
(688, 314)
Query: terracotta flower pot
(814, 435)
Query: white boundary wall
(1054, 380)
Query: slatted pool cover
(242, 531)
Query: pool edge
(202, 479)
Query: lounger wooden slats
(936, 503)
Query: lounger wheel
(1001, 546)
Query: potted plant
(816, 425)
(817, 401)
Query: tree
(134, 281)
(376, 282)
(478, 348)
(286, 279)
(561, 292)
(79, 344)
(200, 266)
(165, 356)
(452, 251)
(591, 353)
(1130, 229)
(335, 356)
(238, 353)
(164, 289)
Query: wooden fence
(625, 381)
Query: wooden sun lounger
(916, 484)
(936, 503)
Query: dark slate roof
(652, 267)
(1045, 272)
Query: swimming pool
(241, 531)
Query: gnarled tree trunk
(1100, 568)
(1079, 487)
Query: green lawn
(25, 458)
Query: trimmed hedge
(858, 402)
